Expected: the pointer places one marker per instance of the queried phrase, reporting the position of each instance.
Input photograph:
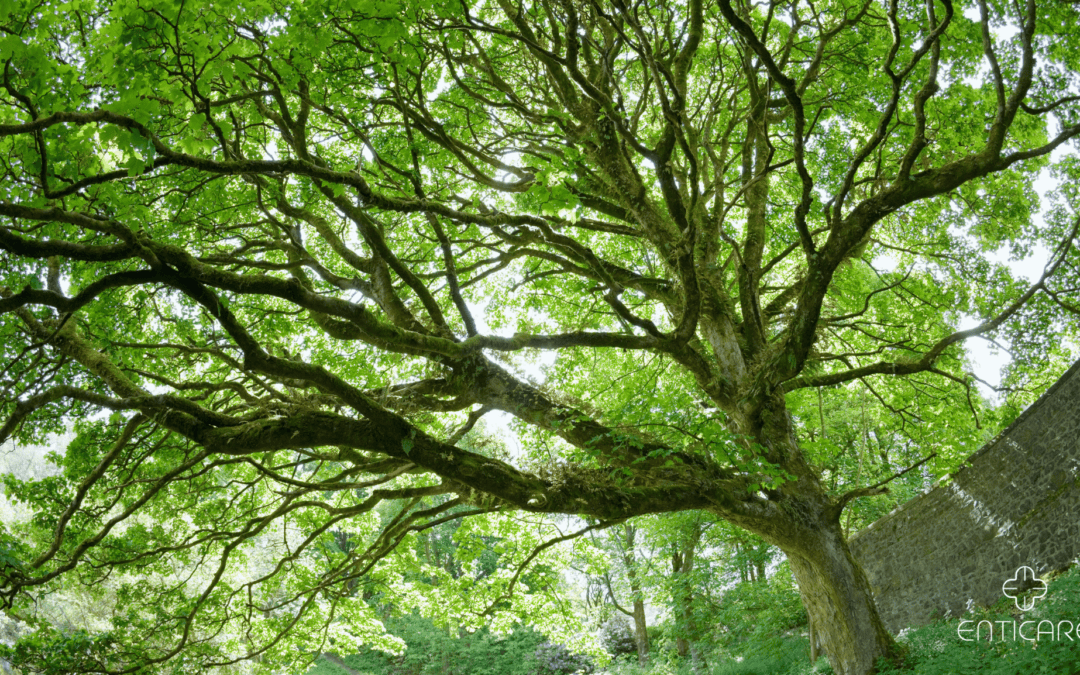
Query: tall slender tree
(628, 571)
(297, 249)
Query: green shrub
(617, 636)
(433, 651)
(782, 655)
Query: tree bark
(838, 599)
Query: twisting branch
(877, 488)
(540, 549)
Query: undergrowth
(939, 649)
(935, 649)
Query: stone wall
(1017, 502)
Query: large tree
(281, 257)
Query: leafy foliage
(759, 614)
(281, 260)
(556, 659)
(431, 650)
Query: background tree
(623, 582)
(297, 250)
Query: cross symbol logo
(1023, 579)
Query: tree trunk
(837, 598)
(698, 664)
(803, 520)
(678, 564)
(683, 565)
(682, 647)
(641, 629)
